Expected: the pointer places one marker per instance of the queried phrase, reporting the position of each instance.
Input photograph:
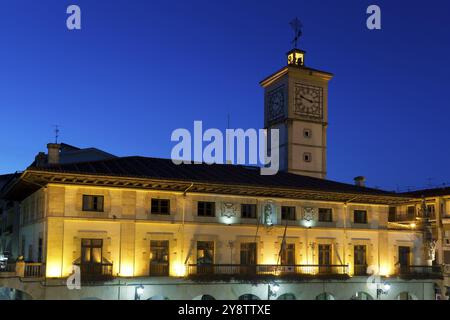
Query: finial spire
(297, 26)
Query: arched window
(361, 295)
(287, 296)
(325, 296)
(248, 296)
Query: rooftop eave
(32, 180)
(326, 76)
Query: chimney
(53, 153)
(40, 160)
(360, 181)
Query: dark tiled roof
(435, 192)
(5, 178)
(155, 168)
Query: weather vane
(297, 26)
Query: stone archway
(248, 296)
(204, 297)
(158, 297)
(287, 296)
(325, 296)
(361, 295)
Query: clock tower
(296, 103)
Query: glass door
(324, 258)
(91, 256)
(159, 258)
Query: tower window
(307, 133)
(307, 157)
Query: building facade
(145, 228)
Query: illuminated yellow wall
(127, 237)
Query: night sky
(139, 69)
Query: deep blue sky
(139, 69)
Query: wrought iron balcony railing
(34, 270)
(419, 272)
(264, 269)
(96, 271)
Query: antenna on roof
(56, 133)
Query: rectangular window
(392, 214)
(93, 203)
(325, 215)
(248, 211)
(287, 213)
(40, 247)
(206, 209)
(447, 257)
(161, 206)
(22, 247)
(288, 254)
(411, 212)
(360, 216)
(431, 211)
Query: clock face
(308, 101)
(276, 103)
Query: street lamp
(138, 292)
(382, 289)
(272, 290)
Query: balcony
(23, 270)
(95, 272)
(224, 272)
(419, 272)
(34, 270)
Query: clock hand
(306, 99)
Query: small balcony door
(288, 254)
(91, 256)
(159, 258)
(325, 258)
(205, 256)
(360, 260)
(248, 257)
(404, 258)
